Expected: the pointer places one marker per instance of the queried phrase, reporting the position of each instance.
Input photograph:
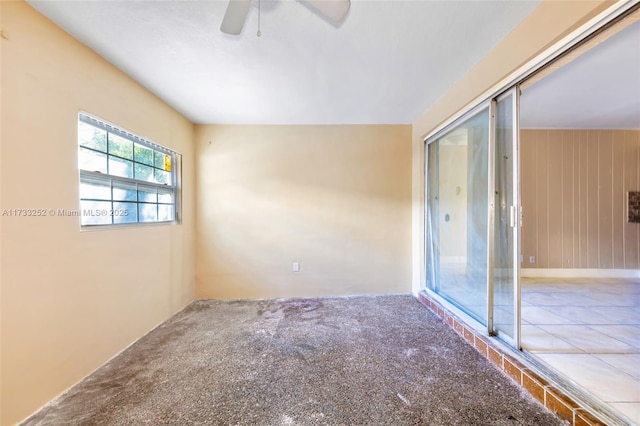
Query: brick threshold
(553, 398)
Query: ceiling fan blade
(235, 16)
(335, 10)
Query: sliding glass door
(456, 215)
(506, 252)
(472, 219)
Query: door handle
(512, 216)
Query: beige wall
(71, 299)
(547, 24)
(574, 198)
(336, 199)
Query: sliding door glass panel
(431, 211)
(457, 221)
(506, 220)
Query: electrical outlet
(532, 259)
(296, 267)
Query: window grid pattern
(124, 179)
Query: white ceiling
(600, 89)
(386, 63)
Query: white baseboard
(579, 273)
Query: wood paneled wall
(574, 187)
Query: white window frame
(107, 211)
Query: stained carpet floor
(328, 361)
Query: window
(124, 179)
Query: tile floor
(589, 330)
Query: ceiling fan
(237, 11)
